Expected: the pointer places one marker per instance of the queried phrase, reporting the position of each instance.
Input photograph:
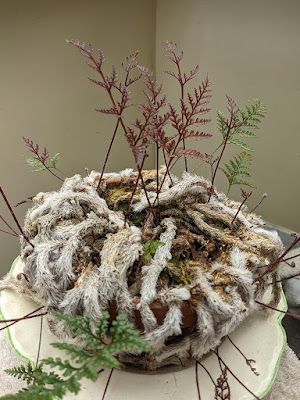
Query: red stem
(285, 279)
(108, 153)
(276, 309)
(40, 341)
(15, 218)
(207, 371)
(248, 361)
(48, 169)
(8, 233)
(202, 162)
(290, 258)
(157, 177)
(133, 192)
(180, 133)
(168, 172)
(9, 227)
(182, 98)
(165, 175)
(219, 159)
(240, 207)
(20, 319)
(262, 199)
(114, 104)
(235, 377)
(197, 381)
(273, 265)
(107, 383)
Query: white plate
(261, 337)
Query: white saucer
(261, 337)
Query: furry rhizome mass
(85, 260)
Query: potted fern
(184, 263)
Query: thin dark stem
(48, 169)
(276, 309)
(9, 227)
(180, 137)
(24, 201)
(174, 163)
(98, 68)
(285, 279)
(203, 162)
(249, 362)
(168, 172)
(108, 153)
(276, 262)
(262, 199)
(183, 140)
(290, 258)
(211, 168)
(157, 177)
(8, 233)
(140, 176)
(114, 133)
(133, 192)
(292, 265)
(162, 183)
(207, 371)
(107, 384)
(180, 80)
(235, 377)
(20, 319)
(15, 218)
(219, 159)
(40, 341)
(197, 380)
(56, 176)
(157, 162)
(219, 361)
(240, 207)
(142, 130)
(147, 197)
(2, 321)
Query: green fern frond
(34, 162)
(251, 118)
(25, 373)
(245, 121)
(93, 354)
(150, 248)
(238, 142)
(54, 160)
(75, 352)
(237, 168)
(221, 124)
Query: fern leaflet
(86, 359)
(237, 169)
(245, 122)
(150, 248)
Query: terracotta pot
(189, 319)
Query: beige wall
(45, 94)
(250, 49)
